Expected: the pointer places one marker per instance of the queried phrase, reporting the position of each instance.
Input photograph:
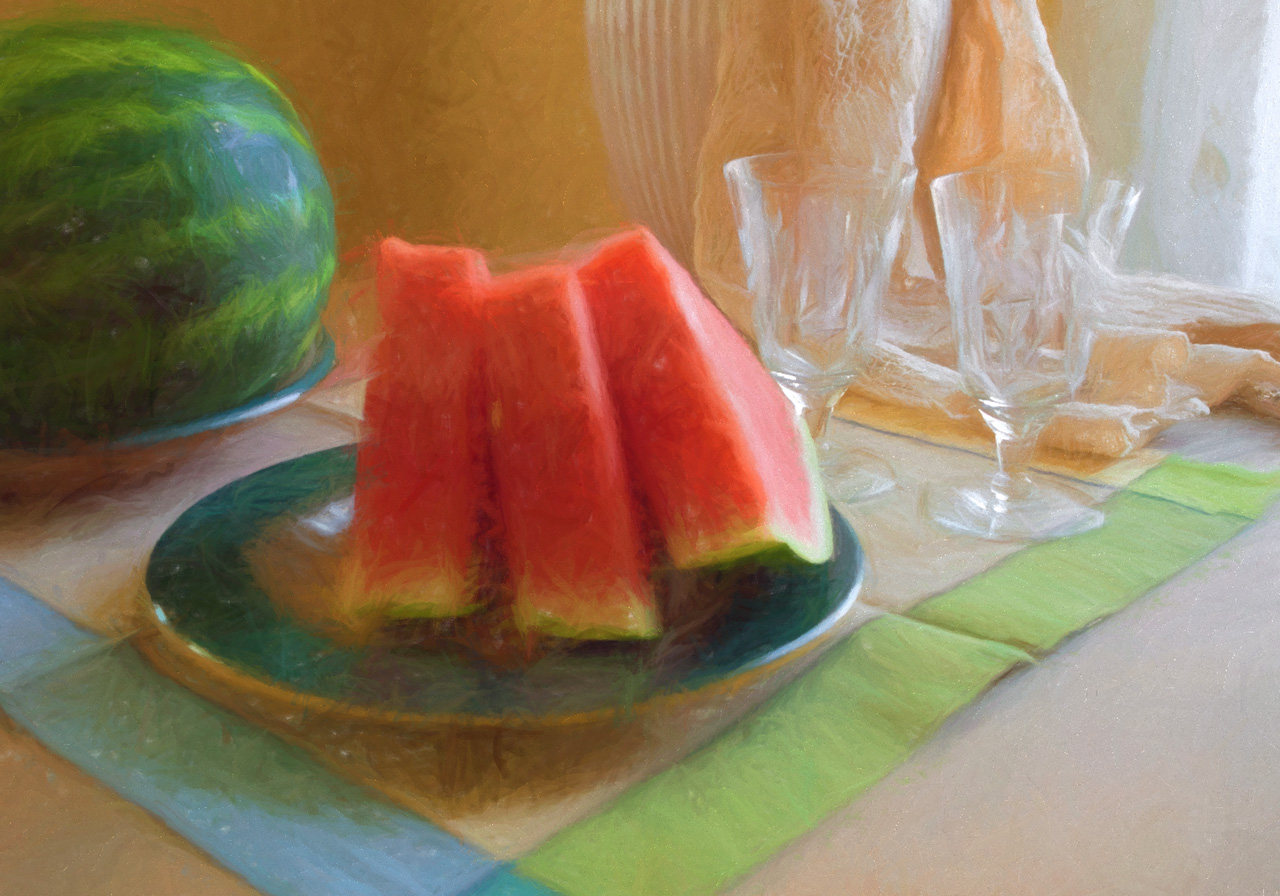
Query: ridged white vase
(653, 71)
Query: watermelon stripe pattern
(168, 238)
(84, 130)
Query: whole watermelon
(166, 232)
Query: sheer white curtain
(1184, 96)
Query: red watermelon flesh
(573, 547)
(421, 474)
(725, 468)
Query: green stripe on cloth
(818, 744)
(847, 723)
(1213, 488)
(1168, 519)
(1046, 592)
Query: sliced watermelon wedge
(572, 540)
(421, 475)
(724, 466)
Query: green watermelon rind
(634, 619)
(805, 548)
(169, 237)
(775, 543)
(700, 525)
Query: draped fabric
(950, 84)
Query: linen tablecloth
(783, 799)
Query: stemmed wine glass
(818, 240)
(1023, 255)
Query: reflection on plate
(214, 625)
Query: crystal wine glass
(818, 240)
(1022, 253)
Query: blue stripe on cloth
(256, 804)
(35, 638)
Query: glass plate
(213, 623)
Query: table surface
(1137, 758)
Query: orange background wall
(471, 120)
(458, 120)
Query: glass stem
(1015, 443)
(815, 409)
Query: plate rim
(205, 672)
(323, 364)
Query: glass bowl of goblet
(818, 241)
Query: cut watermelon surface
(421, 470)
(720, 458)
(572, 541)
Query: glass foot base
(851, 475)
(1034, 512)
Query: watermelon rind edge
(823, 549)
(773, 541)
